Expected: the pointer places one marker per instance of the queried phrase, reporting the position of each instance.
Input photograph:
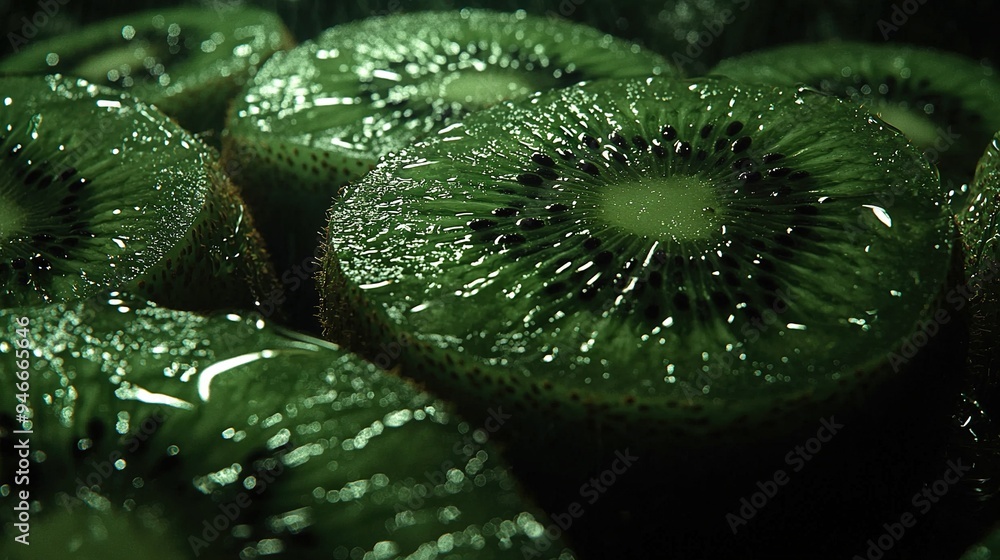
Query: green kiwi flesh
(951, 119)
(159, 422)
(987, 549)
(665, 260)
(189, 62)
(323, 113)
(100, 191)
(979, 222)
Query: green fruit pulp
(102, 191)
(943, 102)
(186, 61)
(139, 409)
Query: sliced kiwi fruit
(944, 103)
(323, 113)
(686, 258)
(223, 436)
(101, 191)
(702, 272)
(187, 61)
(980, 224)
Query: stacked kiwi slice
(188, 61)
(661, 260)
(951, 118)
(322, 114)
(101, 191)
(222, 436)
(980, 224)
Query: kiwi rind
(957, 95)
(219, 50)
(372, 293)
(112, 194)
(195, 410)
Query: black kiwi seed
(543, 159)
(530, 179)
(944, 103)
(589, 168)
(160, 56)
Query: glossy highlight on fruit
(101, 191)
(323, 113)
(187, 61)
(223, 436)
(944, 103)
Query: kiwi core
(915, 126)
(485, 88)
(681, 206)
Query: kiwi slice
(101, 191)
(980, 225)
(322, 114)
(656, 260)
(188, 61)
(225, 436)
(944, 103)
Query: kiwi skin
(201, 274)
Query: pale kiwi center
(920, 130)
(683, 207)
(482, 89)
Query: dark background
(966, 27)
